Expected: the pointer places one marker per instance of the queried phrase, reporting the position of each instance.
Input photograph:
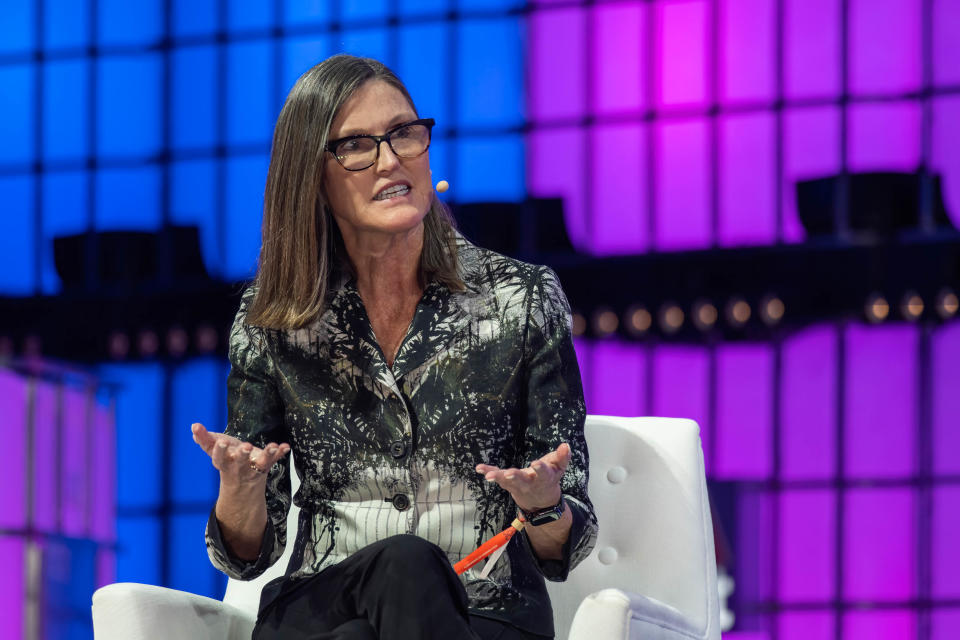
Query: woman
(427, 388)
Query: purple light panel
(946, 42)
(45, 464)
(557, 88)
(945, 581)
(619, 379)
(11, 586)
(884, 137)
(945, 355)
(946, 158)
(681, 379)
(816, 625)
(944, 624)
(747, 180)
(683, 30)
(810, 151)
(879, 625)
(619, 218)
(879, 547)
(744, 408)
(682, 185)
(555, 169)
(810, 63)
(885, 46)
(13, 490)
(104, 471)
(807, 555)
(619, 62)
(747, 60)
(808, 401)
(881, 401)
(75, 465)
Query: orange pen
(489, 547)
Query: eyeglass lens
(407, 142)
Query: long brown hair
(301, 243)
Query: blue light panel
(66, 24)
(490, 78)
(490, 168)
(424, 67)
(306, 12)
(440, 165)
(424, 7)
(351, 10)
(64, 213)
(128, 100)
(16, 27)
(199, 395)
(192, 202)
(488, 5)
(138, 549)
(16, 114)
(299, 55)
(128, 199)
(125, 23)
(139, 432)
(194, 17)
(250, 114)
(16, 236)
(65, 113)
(246, 177)
(190, 568)
(250, 15)
(193, 99)
(368, 43)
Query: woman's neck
(387, 265)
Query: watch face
(544, 518)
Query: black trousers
(400, 588)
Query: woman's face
(374, 109)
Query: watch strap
(544, 516)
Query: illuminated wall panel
(880, 625)
(884, 137)
(682, 185)
(250, 103)
(45, 489)
(129, 23)
(425, 69)
(620, 51)
(879, 547)
(619, 379)
(619, 223)
(747, 59)
(193, 17)
(128, 198)
(747, 197)
(681, 387)
(885, 46)
(944, 623)
(367, 43)
(64, 213)
(17, 242)
(13, 491)
(945, 354)
(683, 53)
(247, 15)
(946, 42)
(743, 446)
(488, 80)
(246, 178)
(65, 112)
(16, 34)
(807, 550)
(808, 409)
(194, 97)
(16, 129)
(558, 89)
(555, 169)
(946, 161)
(802, 625)
(128, 106)
(810, 63)
(881, 403)
(945, 581)
(299, 54)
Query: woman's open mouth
(395, 191)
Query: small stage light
(877, 308)
(579, 324)
(605, 322)
(912, 306)
(671, 318)
(947, 304)
(118, 345)
(147, 343)
(704, 315)
(177, 342)
(637, 320)
(738, 312)
(772, 310)
(206, 339)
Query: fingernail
(222, 445)
(272, 450)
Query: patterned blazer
(485, 375)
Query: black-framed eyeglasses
(408, 140)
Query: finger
(486, 468)
(219, 454)
(202, 437)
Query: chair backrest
(649, 491)
(648, 487)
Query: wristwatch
(543, 516)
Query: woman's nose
(387, 160)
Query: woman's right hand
(240, 463)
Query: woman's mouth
(395, 191)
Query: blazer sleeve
(254, 415)
(556, 414)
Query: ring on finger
(253, 465)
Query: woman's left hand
(535, 487)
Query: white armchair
(651, 576)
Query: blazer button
(400, 502)
(398, 448)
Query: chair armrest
(128, 611)
(613, 614)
